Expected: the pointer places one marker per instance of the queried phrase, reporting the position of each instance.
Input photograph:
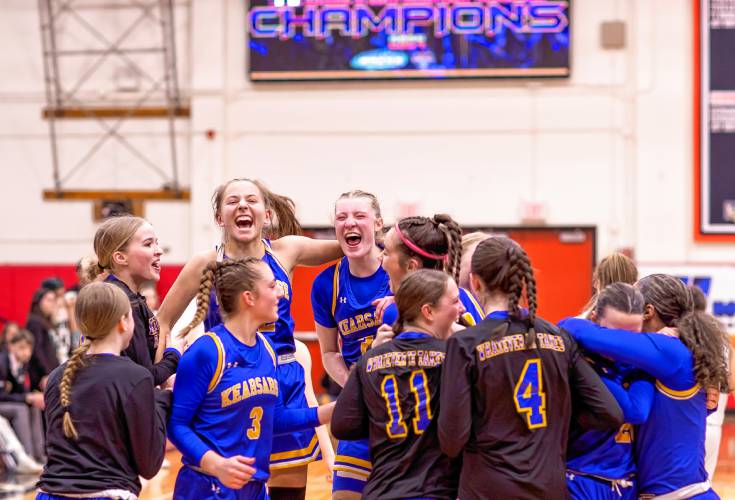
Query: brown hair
(113, 235)
(621, 297)
(229, 278)
(503, 265)
(698, 297)
(425, 286)
(700, 332)
(358, 193)
(21, 335)
(439, 235)
(282, 207)
(98, 309)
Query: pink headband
(410, 244)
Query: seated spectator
(18, 403)
(40, 324)
(8, 330)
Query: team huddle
(452, 386)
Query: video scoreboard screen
(390, 39)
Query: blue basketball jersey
(669, 449)
(280, 333)
(227, 400)
(670, 445)
(472, 315)
(234, 416)
(343, 301)
(600, 453)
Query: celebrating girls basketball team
(447, 392)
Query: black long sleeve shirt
(44, 357)
(14, 388)
(143, 345)
(403, 375)
(508, 408)
(121, 422)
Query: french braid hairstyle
(425, 286)
(99, 307)
(439, 236)
(229, 278)
(283, 209)
(700, 332)
(503, 266)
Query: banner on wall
(716, 105)
(716, 281)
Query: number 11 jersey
(392, 397)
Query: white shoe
(27, 465)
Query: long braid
(203, 298)
(453, 232)
(515, 280)
(530, 282)
(75, 362)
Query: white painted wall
(611, 146)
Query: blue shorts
(587, 488)
(193, 485)
(48, 496)
(352, 466)
(296, 448)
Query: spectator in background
(8, 330)
(40, 324)
(150, 292)
(18, 403)
(62, 319)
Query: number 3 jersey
(392, 397)
(227, 400)
(509, 408)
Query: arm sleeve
(665, 358)
(390, 315)
(192, 382)
(145, 414)
(350, 417)
(138, 352)
(162, 370)
(594, 406)
(321, 298)
(294, 419)
(635, 402)
(455, 416)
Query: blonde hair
(374, 204)
(615, 268)
(98, 309)
(470, 239)
(113, 235)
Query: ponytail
(67, 378)
(204, 296)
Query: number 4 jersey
(509, 408)
(392, 396)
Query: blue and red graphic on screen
(335, 39)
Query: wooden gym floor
(318, 488)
